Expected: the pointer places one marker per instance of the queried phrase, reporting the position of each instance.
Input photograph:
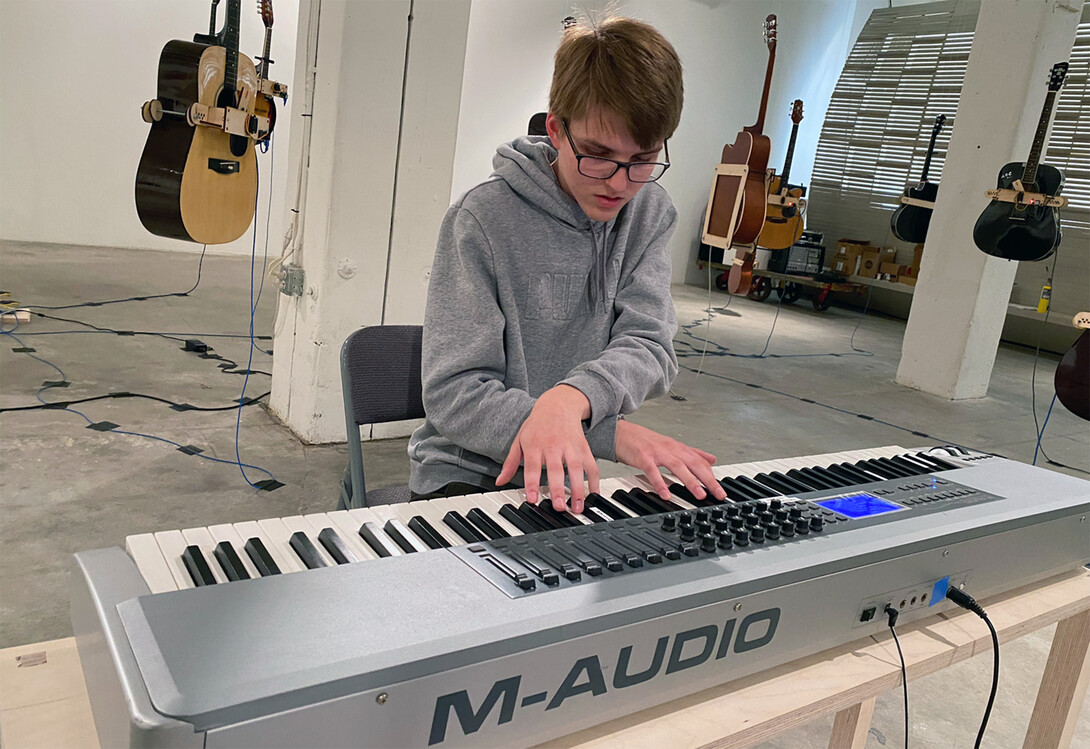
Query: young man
(549, 314)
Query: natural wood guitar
(751, 148)
(199, 183)
(783, 211)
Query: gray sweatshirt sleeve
(463, 362)
(639, 360)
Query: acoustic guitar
(910, 221)
(1022, 222)
(199, 183)
(1072, 378)
(751, 147)
(783, 212)
(264, 104)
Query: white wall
(509, 65)
(74, 74)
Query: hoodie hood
(525, 164)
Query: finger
(593, 478)
(705, 476)
(531, 472)
(706, 456)
(578, 487)
(686, 477)
(655, 478)
(511, 464)
(555, 468)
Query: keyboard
(483, 620)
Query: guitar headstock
(939, 121)
(264, 7)
(770, 31)
(1081, 321)
(796, 111)
(1056, 76)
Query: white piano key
(297, 523)
(491, 503)
(252, 529)
(172, 544)
(201, 538)
(377, 517)
(150, 561)
(349, 530)
(322, 520)
(228, 533)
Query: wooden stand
(43, 701)
(1021, 197)
(917, 202)
(724, 204)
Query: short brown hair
(625, 66)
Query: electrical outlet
(293, 280)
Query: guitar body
(752, 149)
(909, 222)
(1073, 378)
(1019, 232)
(740, 276)
(783, 224)
(178, 194)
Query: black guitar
(1072, 378)
(909, 222)
(1026, 230)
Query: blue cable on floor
(1042, 432)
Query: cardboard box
(917, 256)
(907, 280)
(889, 269)
(868, 263)
(845, 246)
(888, 255)
(847, 264)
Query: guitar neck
(758, 127)
(790, 154)
(1030, 173)
(930, 152)
(263, 71)
(230, 43)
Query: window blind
(906, 68)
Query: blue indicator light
(860, 505)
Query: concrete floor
(65, 488)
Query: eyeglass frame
(617, 164)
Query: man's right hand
(552, 438)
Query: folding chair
(380, 378)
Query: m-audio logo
(678, 652)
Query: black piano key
(197, 566)
(908, 472)
(424, 530)
(486, 525)
(799, 486)
(409, 542)
(873, 466)
(534, 514)
(306, 551)
(818, 482)
(760, 490)
(939, 463)
(260, 556)
(915, 468)
(778, 486)
(564, 518)
(231, 565)
(511, 514)
(603, 505)
(735, 491)
(664, 505)
(634, 503)
(595, 515)
(834, 479)
(378, 540)
(336, 547)
(915, 462)
(849, 471)
(454, 520)
(680, 490)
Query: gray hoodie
(527, 292)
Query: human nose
(619, 180)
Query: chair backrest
(380, 370)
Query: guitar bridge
(223, 166)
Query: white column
(960, 301)
(358, 271)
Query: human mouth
(605, 201)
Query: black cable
(172, 404)
(966, 601)
(169, 336)
(891, 613)
(144, 298)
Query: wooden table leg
(1063, 686)
(851, 726)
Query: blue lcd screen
(859, 505)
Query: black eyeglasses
(599, 167)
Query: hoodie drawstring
(597, 282)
